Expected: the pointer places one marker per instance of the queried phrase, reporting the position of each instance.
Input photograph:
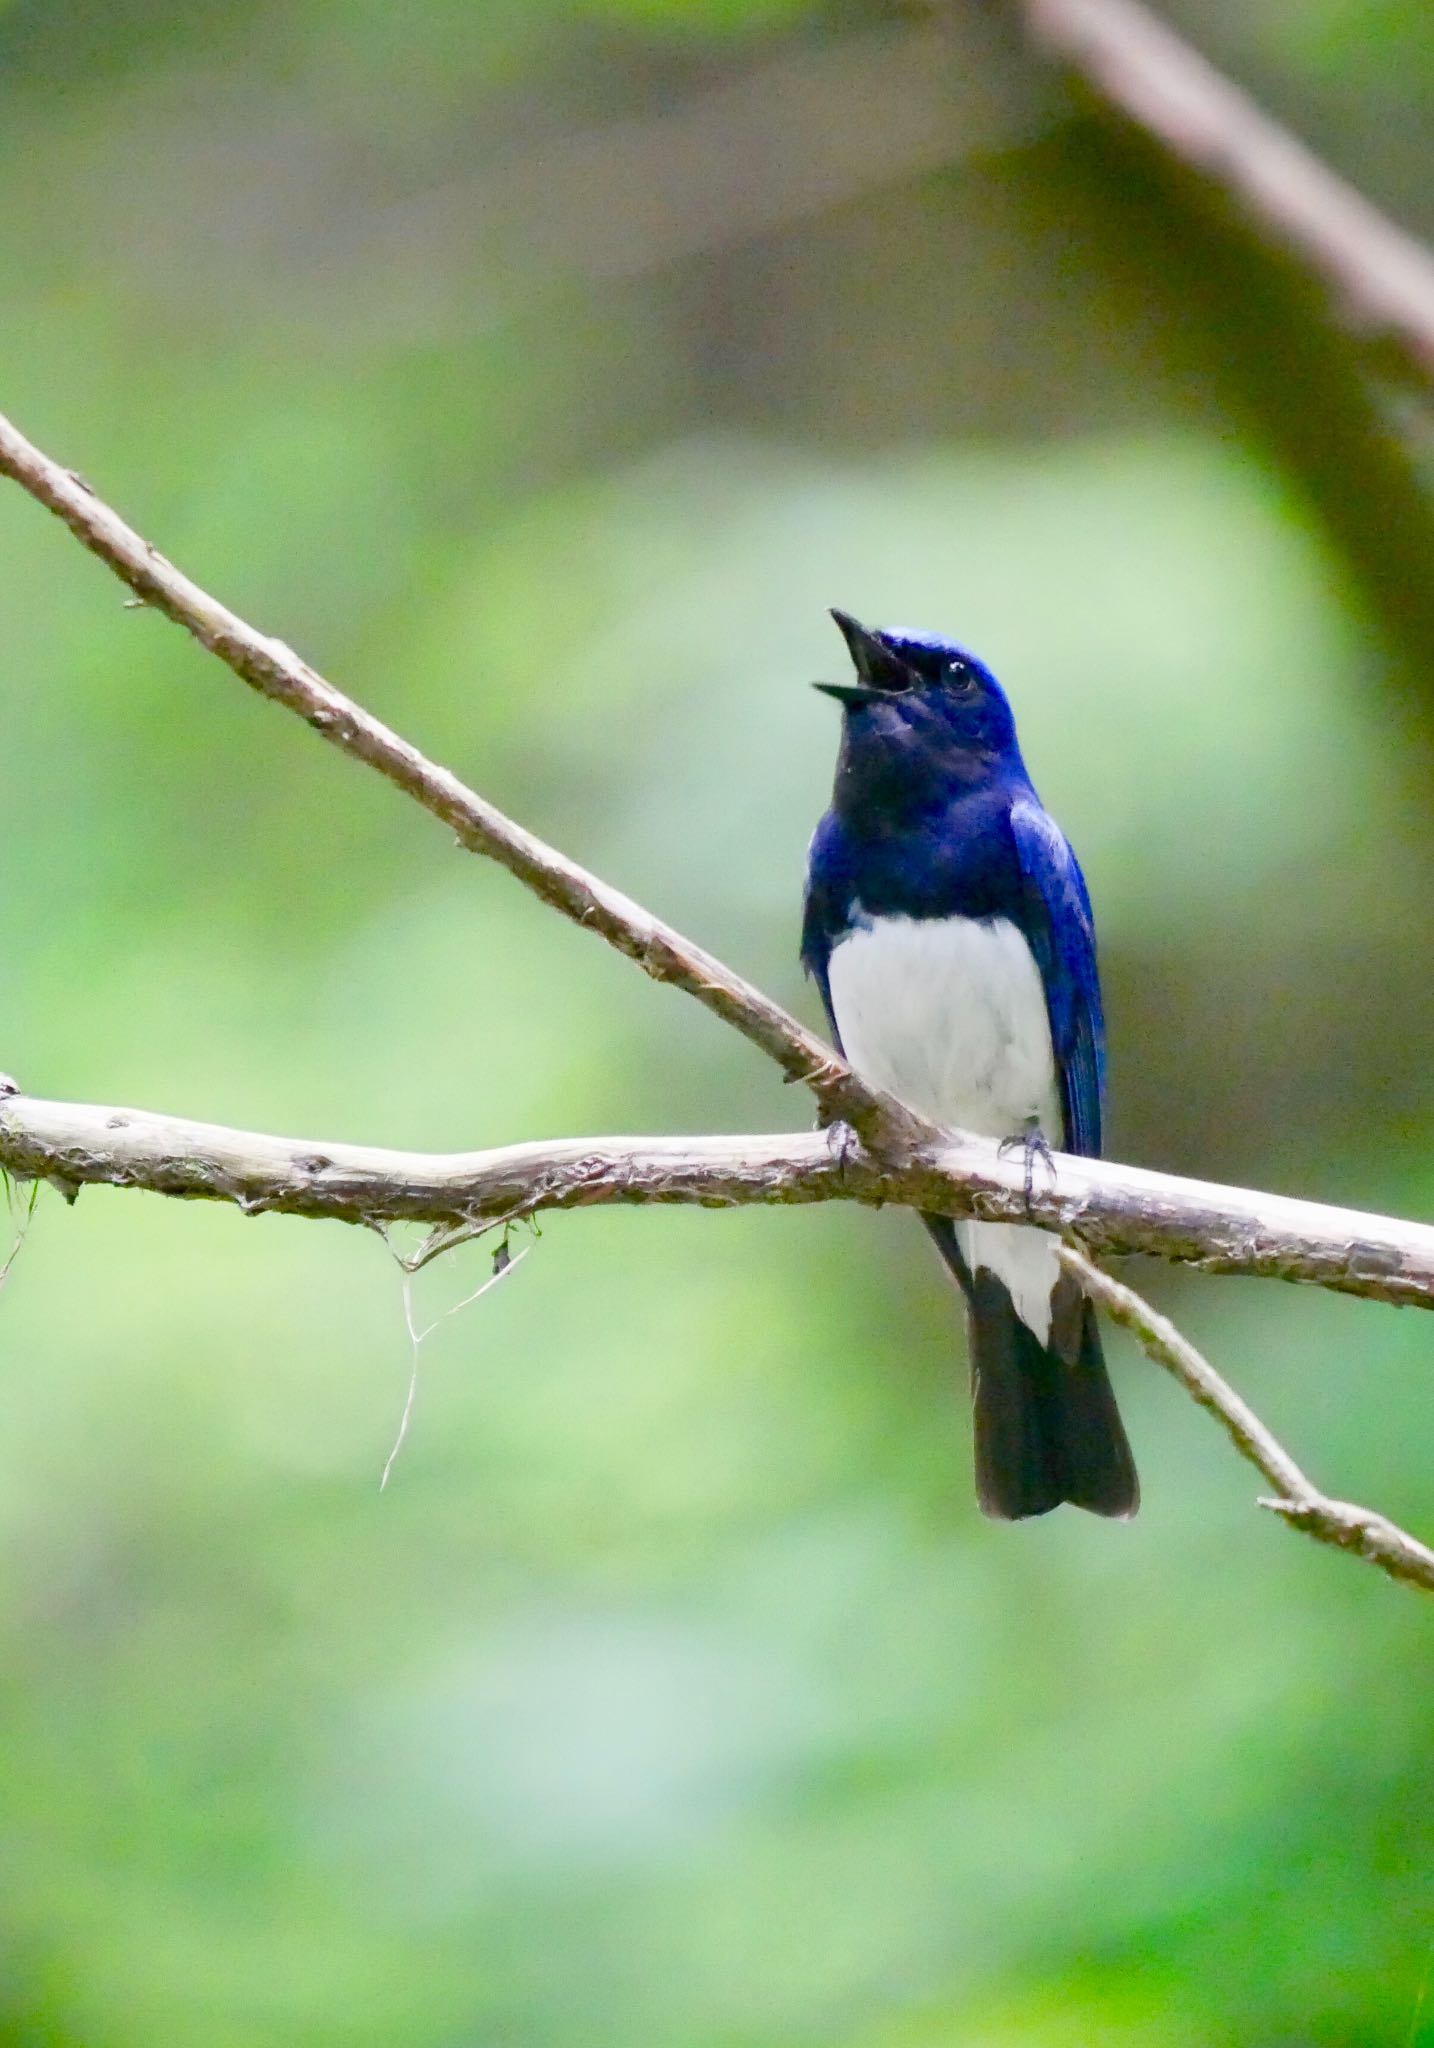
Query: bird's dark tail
(1047, 1428)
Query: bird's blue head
(922, 715)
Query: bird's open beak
(880, 673)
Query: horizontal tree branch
(1111, 1208)
(1336, 1522)
(1380, 280)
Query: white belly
(950, 1015)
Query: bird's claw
(841, 1142)
(1034, 1145)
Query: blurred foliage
(673, 1693)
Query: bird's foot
(842, 1142)
(1034, 1145)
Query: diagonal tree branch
(1380, 280)
(1337, 1522)
(276, 672)
(1115, 1209)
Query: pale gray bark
(1110, 1208)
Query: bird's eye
(961, 677)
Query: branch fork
(1382, 280)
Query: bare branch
(276, 672)
(1380, 279)
(1113, 1208)
(1300, 1502)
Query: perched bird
(949, 930)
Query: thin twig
(23, 1228)
(1380, 279)
(1113, 1208)
(417, 1338)
(1300, 1502)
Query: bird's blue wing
(824, 911)
(1061, 933)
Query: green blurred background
(542, 372)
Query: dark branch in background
(1336, 1522)
(1379, 280)
(1257, 317)
(1115, 1208)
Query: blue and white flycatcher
(949, 930)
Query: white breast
(949, 1014)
